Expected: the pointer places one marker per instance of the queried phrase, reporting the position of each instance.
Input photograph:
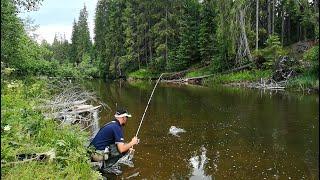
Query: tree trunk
(289, 30)
(257, 24)
(139, 59)
(273, 14)
(243, 31)
(269, 17)
(150, 39)
(282, 26)
(145, 51)
(299, 31)
(166, 60)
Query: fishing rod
(148, 104)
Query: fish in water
(174, 131)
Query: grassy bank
(24, 130)
(305, 81)
(143, 74)
(237, 77)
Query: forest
(150, 37)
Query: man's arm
(124, 147)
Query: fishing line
(148, 104)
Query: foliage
(24, 130)
(143, 74)
(207, 31)
(272, 51)
(312, 55)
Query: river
(231, 133)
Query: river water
(231, 133)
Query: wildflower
(7, 128)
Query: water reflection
(198, 165)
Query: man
(109, 141)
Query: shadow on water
(229, 132)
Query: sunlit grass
(242, 76)
(143, 74)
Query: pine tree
(207, 32)
(81, 44)
(188, 52)
(101, 29)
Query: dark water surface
(230, 133)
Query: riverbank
(305, 82)
(296, 71)
(31, 143)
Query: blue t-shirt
(109, 134)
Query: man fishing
(109, 141)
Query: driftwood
(268, 84)
(179, 74)
(73, 106)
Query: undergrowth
(24, 130)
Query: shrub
(312, 55)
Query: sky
(57, 16)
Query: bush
(312, 55)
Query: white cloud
(49, 28)
(47, 32)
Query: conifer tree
(207, 31)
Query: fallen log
(23, 158)
(188, 80)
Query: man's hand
(131, 150)
(135, 141)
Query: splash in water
(174, 131)
(198, 164)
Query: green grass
(304, 81)
(199, 72)
(242, 76)
(25, 130)
(143, 74)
